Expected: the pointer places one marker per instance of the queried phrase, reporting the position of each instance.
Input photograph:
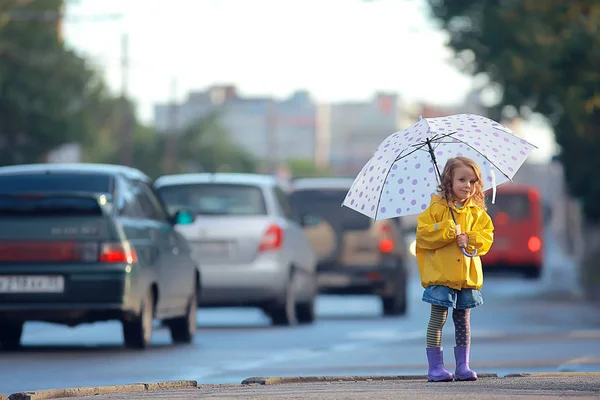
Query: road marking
(585, 334)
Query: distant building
(268, 129)
(358, 128)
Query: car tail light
(272, 239)
(534, 244)
(533, 195)
(117, 253)
(70, 251)
(86, 251)
(386, 230)
(37, 251)
(386, 244)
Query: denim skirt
(447, 297)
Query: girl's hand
(462, 240)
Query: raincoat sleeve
(433, 231)
(481, 235)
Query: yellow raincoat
(441, 261)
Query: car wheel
(306, 312)
(532, 272)
(284, 313)
(396, 304)
(10, 334)
(183, 328)
(138, 333)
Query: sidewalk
(489, 386)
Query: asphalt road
(524, 326)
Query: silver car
(249, 243)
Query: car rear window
(327, 204)
(55, 182)
(515, 205)
(48, 205)
(51, 194)
(214, 199)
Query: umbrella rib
(483, 155)
(381, 192)
(401, 156)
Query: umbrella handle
(467, 254)
(458, 231)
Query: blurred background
(298, 89)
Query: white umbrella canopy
(401, 176)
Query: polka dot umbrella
(404, 171)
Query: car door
(129, 216)
(176, 265)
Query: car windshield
(327, 204)
(214, 199)
(515, 205)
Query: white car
(249, 243)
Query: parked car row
(81, 243)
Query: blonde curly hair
(445, 188)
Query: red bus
(518, 230)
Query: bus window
(513, 205)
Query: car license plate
(213, 248)
(32, 284)
(335, 280)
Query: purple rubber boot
(437, 372)
(463, 372)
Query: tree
(203, 146)
(45, 89)
(305, 168)
(544, 56)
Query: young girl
(455, 218)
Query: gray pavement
(535, 386)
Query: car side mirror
(309, 220)
(183, 217)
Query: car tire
(306, 312)
(284, 312)
(10, 334)
(137, 333)
(183, 329)
(397, 303)
(532, 272)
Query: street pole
(126, 153)
(272, 159)
(172, 138)
(323, 136)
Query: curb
(94, 391)
(269, 380)
(280, 380)
(551, 374)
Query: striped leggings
(438, 317)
